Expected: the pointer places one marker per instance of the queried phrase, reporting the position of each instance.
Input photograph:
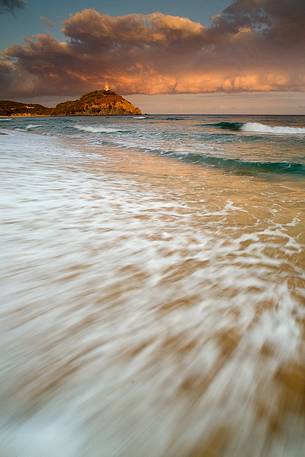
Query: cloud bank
(253, 45)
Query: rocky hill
(10, 108)
(97, 103)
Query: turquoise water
(253, 144)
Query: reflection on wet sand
(151, 307)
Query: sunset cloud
(253, 45)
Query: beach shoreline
(144, 285)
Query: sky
(217, 56)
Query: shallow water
(230, 142)
(150, 306)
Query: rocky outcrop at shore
(97, 103)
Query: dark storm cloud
(252, 45)
(9, 6)
(276, 16)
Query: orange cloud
(253, 45)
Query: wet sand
(150, 307)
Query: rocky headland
(97, 103)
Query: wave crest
(227, 125)
(278, 130)
(97, 129)
(257, 127)
(33, 126)
(241, 166)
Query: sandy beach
(148, 303)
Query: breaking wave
(227, 125)
(257, 127)
(241, 166)
(97, 129)
(33, 126)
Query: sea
(152, 286)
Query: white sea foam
(97, 129)
(33, 126)
(38, 436)
(278, 130)
(139, 117)
(5, 119)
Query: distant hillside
(97, 103)
(9, 108)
